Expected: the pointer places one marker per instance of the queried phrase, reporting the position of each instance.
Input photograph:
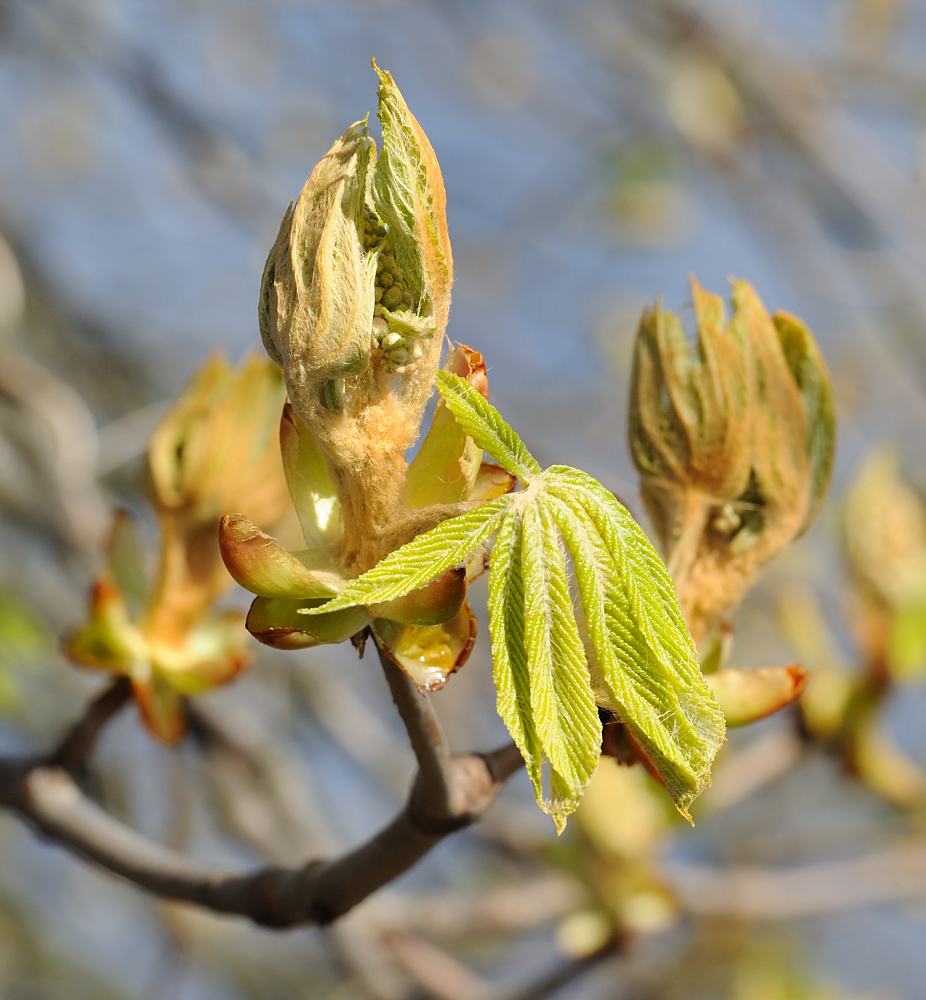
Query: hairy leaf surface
(644, 663)
(509, 652)
(484, 424)
(561, 701)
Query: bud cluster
(390, 291)
(397, 342)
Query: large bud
(733, 438)
(354, 304)
(214, 451)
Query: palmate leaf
(644, 663)
(484, 424)
(562, 704)
(539, 668)
(629, 651)
(510, 670)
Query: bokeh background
(595, 155)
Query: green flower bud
(689, 412)
(733, 438)
(353, 307)
(392, 297)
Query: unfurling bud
(690, 412)
(353, 307)
(215, 451)
(215, 448)
(356, 290)
(409, 198)
(733, 439)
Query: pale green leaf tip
(386, 81)
(521, 463)
(325, 608)
(447, 381)
(682, 809)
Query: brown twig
(440, 800)
(889, 876)
(567, 973)
(81, 738)
(42, 792)
(424, 733)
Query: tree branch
(81, 738)
(442, 798)
(42, 792)
(897, 874)
(434, 784)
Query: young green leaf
(638, 658)
(561, 699)
(422, 560)
(484, 424)
(510, 669)
(809, 371)
(645, 665)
